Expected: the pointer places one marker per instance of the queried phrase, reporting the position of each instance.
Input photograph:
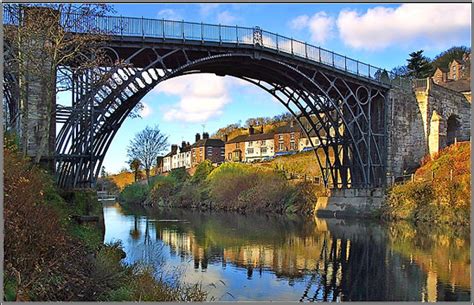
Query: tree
(146, 146)
(443, 59)
(419, 66)
(399, 71)
(135, 165)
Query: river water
(266, 257)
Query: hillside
(441, 192)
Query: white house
(259, 146)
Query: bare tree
(46, 44)
(146, 146)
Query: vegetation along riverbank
(440, 191)
(50, 256)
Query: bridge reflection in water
(240, 257)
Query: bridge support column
(354, 202)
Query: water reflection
(261, 257)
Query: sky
(379, 34)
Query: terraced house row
(256, 146)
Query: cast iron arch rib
(319, 96)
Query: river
(293, 258)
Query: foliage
(203, 169)
(442, 199)
(419, 66)
(146, 146)
(179, 174)
(135, 165)
(162, 189)
(135, 193)
(443, 59)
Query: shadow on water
(271, 257)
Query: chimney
(251, 131)
(183, 145)
(226, 137)
(174, 149)
(205, 135)
(198, 137)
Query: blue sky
(381, 35)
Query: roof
(442, 69)
(461, 85)
(251, 137)
(208, 142)
(288, 129)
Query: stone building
(456, 77)
(207, 149)
(286, 138)
(168, 158)
(235, 149)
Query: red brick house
(207, 149)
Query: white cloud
(225, 17)
(146, 110)
(201, 96)
(299, 22)
(321, 25)
(434, 24)
(169, 14)
(207, 8)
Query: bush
(179, 174)
(135, 193)
(203, 169)
(162, 189)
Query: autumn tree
(146, 146)
(135, 166)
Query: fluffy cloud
(201, 96)
(321, 26)
(435, 24)
(207, 8)
(169, 14)
(226, 18)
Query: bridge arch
(321, 101)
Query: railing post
(306, 49)
(202, 33)
(369, 71)
(143, 30)
(278, 49)
(121, 26)
(292, 46)
(237, 34)
(357, 62)
(345, 63)
(182, 30)
(163, 28)
(319, 51)
(220, 34)
(333, 59)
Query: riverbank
(440, 191)
(231, 187)
(50, 256)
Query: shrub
(203, 169)
(179, 174)
(135, 193)
(162, 189)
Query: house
(207, 149)
(167, 159)
(159, 165)
(286, 138)
(183, 157)
(456, 77)
(235, 149)
(258, 146)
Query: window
(262, 142)
(236, 145)
(281, 146)
(292, 145)
(280, 137)
(292, 136)
(263, 150)
(250, 150)
(250, 143)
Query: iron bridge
(339, 100)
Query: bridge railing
(256, 37)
